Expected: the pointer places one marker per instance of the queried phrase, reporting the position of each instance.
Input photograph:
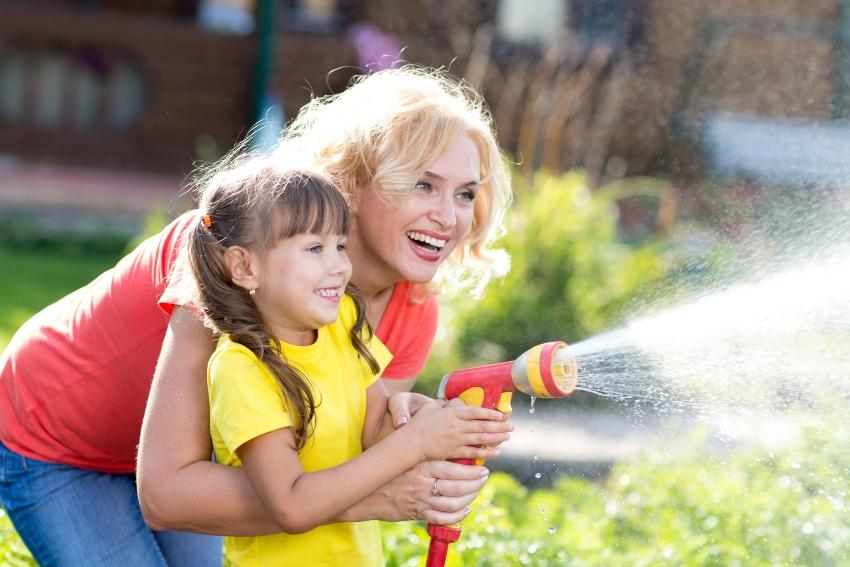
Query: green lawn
(36, 278)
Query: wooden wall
(197, 92)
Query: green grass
(35, 278)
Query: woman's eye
(467, 195)
(423, 186)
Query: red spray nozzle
(545, 371)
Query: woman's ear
(353, 203)
(242, 265)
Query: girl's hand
(403, 405)
(445, 430)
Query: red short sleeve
(407, 329)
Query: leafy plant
(749, 509)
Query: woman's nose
(443, 210)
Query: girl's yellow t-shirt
(246, 402)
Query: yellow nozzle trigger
(504, 404)
(473, 396)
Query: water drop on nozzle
(531, 409)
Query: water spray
(545, 371)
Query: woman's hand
(408, 496)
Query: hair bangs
(311, 205)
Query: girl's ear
(242, 265)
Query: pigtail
(360, 324)
(231, 218)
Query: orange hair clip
(206, 221)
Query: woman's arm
(179, 487)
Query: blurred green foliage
(747, 509)
(32, 233)
(13, 552)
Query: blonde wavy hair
(386, 129)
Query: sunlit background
(681, 172)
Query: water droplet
(808, 528)
(552, 529)
(531, 409)
(537, 475)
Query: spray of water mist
(777, 343)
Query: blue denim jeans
(71, 516)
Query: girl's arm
(300, 501)
(181, 489)
(378, 423)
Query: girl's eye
(341, 247)
(315, 249)
(423, 186)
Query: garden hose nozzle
(545, 371)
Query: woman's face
(407, 237)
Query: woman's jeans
(71, 516)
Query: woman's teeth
(423, 239)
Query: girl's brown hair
(250, 202)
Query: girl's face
(300, 283)
(408, 236)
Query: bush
(745, 509)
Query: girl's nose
(340, 265)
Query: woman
(73, 380)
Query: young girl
(293, 384)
